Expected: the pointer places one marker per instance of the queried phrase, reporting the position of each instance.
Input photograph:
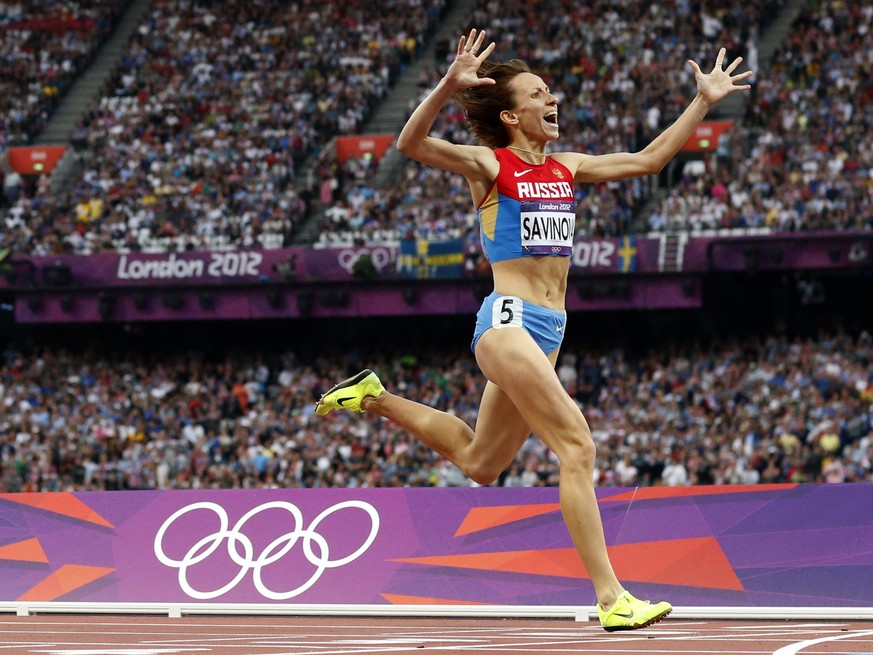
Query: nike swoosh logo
(520, 173)
(342, 401)
(625, 615)
(560, 328)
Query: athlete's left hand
(718, 83)
(462, 74)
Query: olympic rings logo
(278, 548)
(380, 255)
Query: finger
(719, 59)
(736, 62)
(742, 76)
(478, 43)
(471, 40)
(461, 42)
(487, 51)
(695, 67)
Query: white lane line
(787, 627)
(793, 649)
(26, 644)
(120, 651)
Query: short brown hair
(483, 104)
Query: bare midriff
(540, 280)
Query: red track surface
(240, 635)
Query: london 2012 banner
(757, 545)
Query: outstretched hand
(462, 73)
(718, 83)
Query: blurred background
(204, 225)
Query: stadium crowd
(606, 65)
(44, 46)
(809, 153)
(766, 409)
(208, 116)
(201, 148)
(198, 141)
(799, 160)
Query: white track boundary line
(177, 610)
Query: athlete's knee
(477, 466)
(577, 450)
(481, 472)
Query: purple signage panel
(632, 254)
(756, 545)
(780, 252)
(200, 268)
(268, 301)
(335, 300)
(247, 267)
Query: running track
(241, 635)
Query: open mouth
(551, 118)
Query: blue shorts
(546, 326)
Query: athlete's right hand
(462, 73)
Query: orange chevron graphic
(59, 503)
(398, 599)
(66, 579)
(482, 518)
(651, 493)
(698, 562)
(29, 550)
(695, 562)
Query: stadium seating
(209, 114)
(44, 46)
(198, 144)
(754, 410)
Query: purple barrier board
(756, 545)
(780, 252)
(380, 299)
(248, 267)
(628, 255)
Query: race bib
(547, 227)
(506, 311)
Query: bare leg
(481, 455)
(445, 433)
(523, 395)
(511, 359)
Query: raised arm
(711, 88)
(414, 140)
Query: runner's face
(536, 108)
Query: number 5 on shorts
(506, 311)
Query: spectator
(211, 111)
(738, 412)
